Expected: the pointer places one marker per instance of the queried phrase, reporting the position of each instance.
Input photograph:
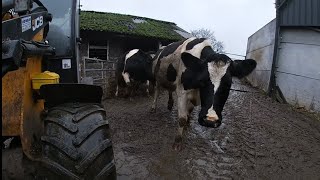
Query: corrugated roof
(299, 12)
(128, 25)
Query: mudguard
(55, 94)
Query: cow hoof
(177, 145)
(153, 110)
(211, 124)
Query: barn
(288, 53)
(105, 37)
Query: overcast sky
(232, 21)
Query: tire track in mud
(258, 139)
(233, 144)
(223, 143)
(278, 142)
(246, 136)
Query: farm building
(287, 51)
(107, 36)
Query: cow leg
(133, 90)
(190, 109)
(155, 99)
(170, 101)
(182, 118)
(117, 91)
(147, 88)
(128, 88)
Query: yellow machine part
(46, 77)
(12, 98)
(20, 111)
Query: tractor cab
(64, 36)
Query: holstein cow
(199, 76)
(134, 68)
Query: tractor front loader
(61, 123)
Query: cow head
(213, 77)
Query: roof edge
(134, 35)
(133, 16)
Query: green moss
(123, 24)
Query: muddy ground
(259, 139)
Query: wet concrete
(259, 139)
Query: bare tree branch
(206, 33)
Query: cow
(199, 76)
(134, 68)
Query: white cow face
(213, 77)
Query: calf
(199, 76)
(134, 68)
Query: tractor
(60, 122)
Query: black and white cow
(199, 76)
(134, 68)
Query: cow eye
(221, 63)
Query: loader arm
(18, 32)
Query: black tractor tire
(76, 142)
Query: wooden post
(88, 49)
(159, 45)
(107, 50)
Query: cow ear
(191, 62)
(242, 68)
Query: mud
(259, 139)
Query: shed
(287, 51)
(107, 36)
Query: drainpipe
(272, 84)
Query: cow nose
(212, 122)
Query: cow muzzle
(209, 122)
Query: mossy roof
(129, 25)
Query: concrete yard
(259, 139)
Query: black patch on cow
(170, 101)
(170, 49)
(191, 62)
(221, 57)
(191, 44)
(119, 69)
(165, 52)
(206, 97)
(196, 74)
(242, 68)
(206, 53)
(222, 93)
(139, 66)
(171, 73)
